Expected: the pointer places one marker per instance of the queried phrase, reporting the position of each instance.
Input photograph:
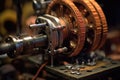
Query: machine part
(101, 70)
(59, 32)
(59, 28)
(40, 6)
(61, 50)
(19, 16)
(103, 23)
(91, 63)
(39, 70)
(37, 25)
(37, 6)
(8, 22)
(75, 24)
(52, 34)
(93, 24)
(15, 46)
(48, 31)
(53, 30)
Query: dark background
(111, 9)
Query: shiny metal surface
(75, 24)
(69, 27)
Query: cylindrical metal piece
(37, 25)
(15, 46)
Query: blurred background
(8, 23)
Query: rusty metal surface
(90, 72)
(84, 21)
(93, 24)
(75, 24)
(103, 22)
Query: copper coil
(93, 24)
(75, 24)
(103, 23)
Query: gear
(93, 24)
(103, 23)
(75, 24)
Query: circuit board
(102, 68)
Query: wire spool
(8, 22)
(93, 24)
(76, 27)
(103, 23)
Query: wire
(39, 70)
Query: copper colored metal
(103, 23)
(93, 24)
(75, 24)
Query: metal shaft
(6, 47)
(26, 44)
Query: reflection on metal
(70, 31)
